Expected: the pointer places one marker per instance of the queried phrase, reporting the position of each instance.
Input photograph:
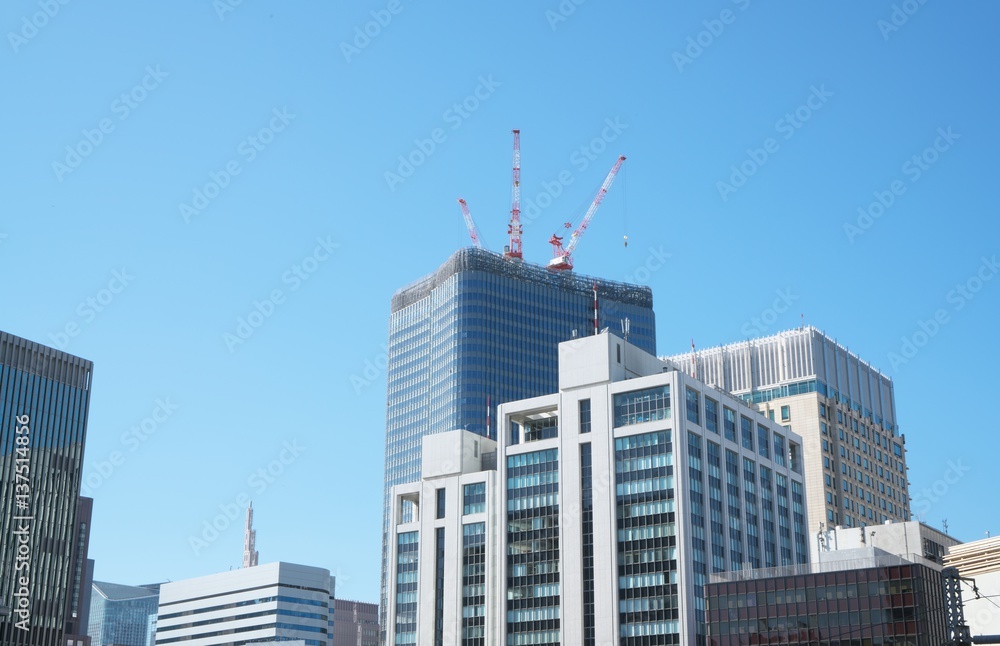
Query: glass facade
(533, 593)
(119, 614)
(647, 540)
(474, 584)
(639, 406)
(44, 401)
(483, 329)
(587, 533)
(901, 605)
(407, 549)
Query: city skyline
(219, 227)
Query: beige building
(844, 409)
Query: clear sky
(175, 168)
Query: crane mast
(470, 224)
(513, 251)
(562, 257)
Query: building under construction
(482, 330)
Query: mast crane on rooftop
(513, 251)
(562, 259)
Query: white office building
(979, 561)
(615, 499)
(844, 409)
(272, 602)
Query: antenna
(595, 309)
(694, 366)
(625, 327)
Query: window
(440, 503)
(474, 498)
(693, 400)
(763, 441)
(712, 415)
(584, 415)
(785, 413)
(746, 429)
(729, 423)
(779, 449)
(640, 406)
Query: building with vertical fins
(606, 507)
(480, 331)
(355, 623)
(44, 403)
(844, 409)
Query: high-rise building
(612, 501)
(480, 331)
(844, 409)
(119, 614)
(276, 601)
(355, 623)
(44, 402)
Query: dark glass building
(483, 330)
(44, 402)
(871, 602)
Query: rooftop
(874, 558)
(472, 259)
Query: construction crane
(473, 232)
(513, 251)
(562, 259)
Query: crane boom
(514, 228)
(562, 258)
(470, 224)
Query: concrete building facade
(615, 497)
(844, 409)
(277, 601)
(980, 561)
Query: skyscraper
(44, 402)
(119, 614)
(611, 501)
(844, 409)
(480, 331)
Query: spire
(250, 554)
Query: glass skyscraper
(44, 401)
(483, 330)
(119, 614)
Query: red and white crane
(473, 232)
(562, 259)
(513, 251)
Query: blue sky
(754, 133)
